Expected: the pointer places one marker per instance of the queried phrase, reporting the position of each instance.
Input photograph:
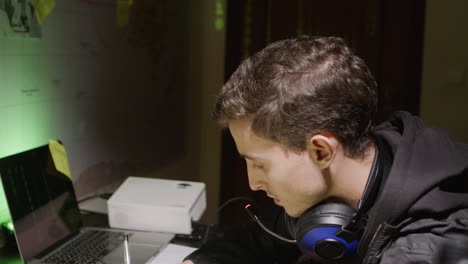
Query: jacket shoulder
(430, 240)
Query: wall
(119, 107)
(444, 78)
(212, 78)
(207, 42)
(84, 82)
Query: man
(301, 112)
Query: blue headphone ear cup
(315, 231)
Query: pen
(127, 250)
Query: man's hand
(187, 262)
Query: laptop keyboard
(88, 248)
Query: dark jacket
(422, 208)
(419, 216)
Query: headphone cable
(251, 214)
(255, 218)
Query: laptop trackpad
(139, 254)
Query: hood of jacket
(428, 164)
(428, 175)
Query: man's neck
(350, 176)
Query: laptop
(47, 223)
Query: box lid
(158, 192)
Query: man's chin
(294, 214)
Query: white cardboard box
(160, 205)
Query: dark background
(387, 35)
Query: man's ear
(322, 149)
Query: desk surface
(9, 254)
(193, 240)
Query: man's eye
(258, 166)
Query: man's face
(291, 179)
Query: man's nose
(255, 181)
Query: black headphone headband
(359, 219)
(372, 183)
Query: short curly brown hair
(296, 88)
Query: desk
(193, 240)
(9, 254)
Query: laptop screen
(41, 200)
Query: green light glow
(9, 226)
(26, 117)
(26, 109)
(219, 16)
(219, 9)
(15, 261)
(219, 24)
(4, 211)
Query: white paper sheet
(97, 205)
(172, 254)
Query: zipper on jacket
(370, 244)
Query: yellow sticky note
(59, 155)
(123, 12)
(42, 8)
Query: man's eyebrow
(246, 156)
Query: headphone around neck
(331, 231)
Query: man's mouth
(276, 201)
